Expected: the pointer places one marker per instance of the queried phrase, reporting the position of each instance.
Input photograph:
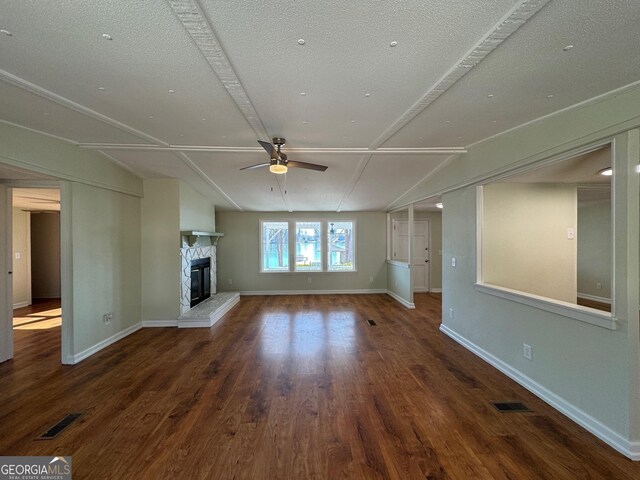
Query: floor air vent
(510, 407)
(54, 431)
(371, 323)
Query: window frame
(324, 245)
(261, 246)
(353, 241)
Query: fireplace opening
(200, 280)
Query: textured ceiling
(185, 88)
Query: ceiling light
(303, 94)
(551, 95)
(305, 122)
(567, 48)
(172, 91)
(490, 95)
(301, 41)
(393, 44)
(7, 33)
(367, 94)
(278, 169)
(106, 36)
(607, 172)
(150, 116)
(438, 205)
(102, 89)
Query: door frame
(6, 260)
(6, 274)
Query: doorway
(31, 247)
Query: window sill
(570, 310)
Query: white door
(6, 284)
(400, 242)
(420, 263)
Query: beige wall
(160, 250)
(594, 250)
(197, 212)
(105, 239)
(238, 254)
(45, 255)
(22, 265)
(524, 238)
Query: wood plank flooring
(298, 387)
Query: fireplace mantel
(192, 236)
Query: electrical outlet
(451, 313)
(453, 261)
(371, 279)
(18, 255)
(527, 351)
(107, 318)
(230, 281)
(598, 286)
(571, 233)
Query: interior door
(6, 283)
(420, 263)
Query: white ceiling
(462, 71)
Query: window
(308, 247)
(340, 247)
(275, 246)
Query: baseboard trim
(21, 304)
(398, 298)
(78, 357)
(436, 290)
(604, 433)
(159, 323)
(47, 295)
(314, 292)
(586, 296)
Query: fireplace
(200, 280)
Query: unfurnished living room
(319, 239)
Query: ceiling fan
(279, 163)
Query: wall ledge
(570, 310)
(618, 442)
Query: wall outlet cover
(527, 351)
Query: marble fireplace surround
(208, 312)
(186, 256)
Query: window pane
(341, 252)
(275, 246)
(308, 247)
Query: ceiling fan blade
(310, 166)
(283, 156)
(269, 148)
(265, 164)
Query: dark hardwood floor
(294, 387)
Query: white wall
(22, 265)
(45, 255)
(524, 238)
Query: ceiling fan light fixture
(278, 168)
(607, 172)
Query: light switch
(453, 261)
(17, 255)
(571, 234)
